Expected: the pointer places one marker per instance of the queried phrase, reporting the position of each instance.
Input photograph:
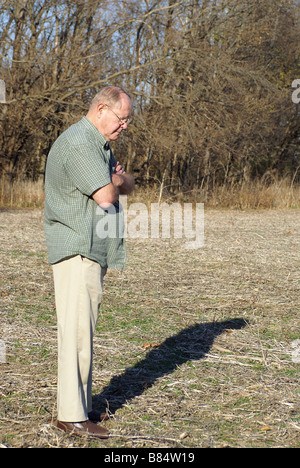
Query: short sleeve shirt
(79, 163)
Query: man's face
(110, 123)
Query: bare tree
(210, 79)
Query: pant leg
(78, 286)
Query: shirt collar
(98, 135)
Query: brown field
(194, 348)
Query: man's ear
(101, 107)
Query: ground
(193, 348)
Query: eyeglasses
(126, 120)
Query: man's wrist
(117, 180)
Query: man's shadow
(190, 344)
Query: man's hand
(121, 184)
(118, 168)
(122, 181)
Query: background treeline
(211, 82)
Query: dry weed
(257, 194)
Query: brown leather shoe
(97, 416)
(83, 428)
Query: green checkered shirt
(79, 163)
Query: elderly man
(81, 175)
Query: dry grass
(21, 194)
(259, 194)
(279, 194)
(193, 348)
(266, 194)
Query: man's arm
(121, 184)
(107, 195)
(125, 182)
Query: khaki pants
(78, 284)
